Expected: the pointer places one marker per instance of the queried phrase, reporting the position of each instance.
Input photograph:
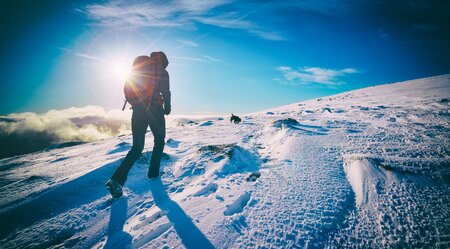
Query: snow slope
(367, 168)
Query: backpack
(141, 84)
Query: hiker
(148, 92)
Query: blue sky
(225, 56)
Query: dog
(235, 119)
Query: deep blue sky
(225, 56)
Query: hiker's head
(141, 62)
(160, 59)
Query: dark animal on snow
(235, 119)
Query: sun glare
(120, 70)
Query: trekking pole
(124, 104)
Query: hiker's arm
(165, 91)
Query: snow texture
(368, 168)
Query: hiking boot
(114, 188)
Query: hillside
(366, 168)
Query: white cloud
(122, 14)
(202, 58)
(187, 58)
(210, 58)
(188, 43)
(314, 75)
(137, 14)
(349, 70)
(272, 36)
(27, 132)
(229, 20)
(199, 6)
(234, 21)
(83, 124)
(83, 55)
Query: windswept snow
(238, 205)
(363, 176)
(368, 169)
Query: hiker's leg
(139, 126)
(158, 127)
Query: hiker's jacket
(162, 92)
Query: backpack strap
(156, 78)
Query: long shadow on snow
(75, 193)
(117, 238)
(189, 234)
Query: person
(148, 112)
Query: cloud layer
(176, 13)
(313, 75)
(27, 132)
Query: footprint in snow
(207, 123)
(350, 131)
(238, 205)
(145, 220)
(253, 176)
(172, 143)
(206, 191)
(123, 146)
(149, 236)
(323, 110)
(361, 108)
(59, 159)
(392, 119)
(220, 198)
(247, 138)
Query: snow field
(366, 169)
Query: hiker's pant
(139, 123)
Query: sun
(120, 70)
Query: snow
(238, 205)
(366, 168)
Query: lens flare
(120, 70)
